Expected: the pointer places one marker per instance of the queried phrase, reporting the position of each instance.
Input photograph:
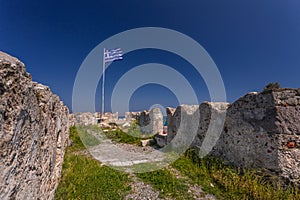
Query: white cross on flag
(112, 55)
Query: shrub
(271, 86)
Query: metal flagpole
(103, 78)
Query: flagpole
(103, 78)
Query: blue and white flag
(112, 55)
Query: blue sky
(252, 42)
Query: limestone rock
(262, 130)
(146, 142)
(34, 126)
(170, 112)
(212, 114)
(161, 139)
(131, 116)
(151, 122)
(182, 127)
(109, 117)
(85, 118)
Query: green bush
(271, 86)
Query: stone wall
(182, 126)
(85, 118)
(261, 130)
(132, 116)
(170, 112)
(151, 122)
(34, 128)
(210, 125)
(182, 117)
(109, 117)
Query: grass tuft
(226, 182)
(133, 135)
(84, 178)
(165, 182)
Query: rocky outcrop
(34, 129)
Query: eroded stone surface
(261, 130)
(151, 122)
(84, 118)
(182, 127)
(34, 129)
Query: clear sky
(252, 42)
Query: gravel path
(126, 156)
(141, 190)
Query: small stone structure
(34, 127)
(151, 122)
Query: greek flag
(112, 55)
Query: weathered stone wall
(109, 117)
(34, 129)
(181, 116)
(261, 130)
(182, 126)
(85, 118)
(210, 125)
(132, 116)
(151, 122)
(170, 112)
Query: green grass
(84, 178)
(77, 143)
(133, 136)
(135, 131)
(87, 139)
(228, 183)
(165, 182)
(122, 137)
